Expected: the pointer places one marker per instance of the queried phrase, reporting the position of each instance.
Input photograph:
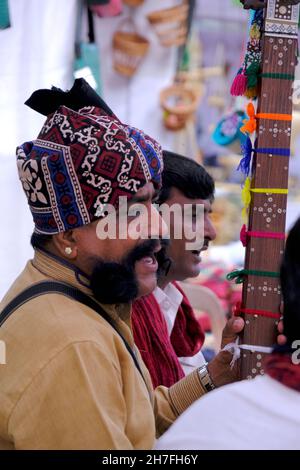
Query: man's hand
(219, 368)
(281, 339)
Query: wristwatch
(205, 378)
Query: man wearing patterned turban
(74, 378)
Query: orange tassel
(250, 124)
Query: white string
(235, 350)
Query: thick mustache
(147, 248)
(113, 282)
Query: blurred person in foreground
(263, 413)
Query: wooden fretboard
(268, 211)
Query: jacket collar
(57, 268)
(61, 270)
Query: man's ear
(66, 245)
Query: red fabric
(158, 350)
(151, 337)
(281, 368)
(205, 322)
(187, 336)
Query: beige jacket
(69, 382)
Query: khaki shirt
(69, 381)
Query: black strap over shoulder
(54, 287)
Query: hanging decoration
(179, 104)
(245, 83)
(171, 24)
(247, 152)
(129, 48)
(227, 132)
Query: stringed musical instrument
(267, 188)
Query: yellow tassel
(251, 93)
(254, 32)
(249, 125)
(246, 198)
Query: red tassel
(236, 310)
(243, 235)
(239, 85)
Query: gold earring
(68, 250)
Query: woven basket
(133, 3)
(170, 24)
(129, 49)
(179, 104)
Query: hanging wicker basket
(170, 24)
(179, 104)
(129, 48)
(133, 3)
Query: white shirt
(169, 301)
(253, 414)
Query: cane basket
(129, 48)
(170, 24)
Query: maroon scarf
(160, 352)
(280, 367)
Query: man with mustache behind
(74, 378)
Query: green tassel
(252, 74)
(238, 276)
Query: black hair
(290, 283)
(39, 240)
(187, 176)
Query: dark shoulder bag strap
(47, 287)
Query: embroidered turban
(83, 159)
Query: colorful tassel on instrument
(237, 276)
(245, 163)
(239, 84)
(249, 125)
(243, 235)
(240, 274)
(251, 93)
(254, 32)
(253, 75)
(246, 198)
(246, 80)
(253, 66)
